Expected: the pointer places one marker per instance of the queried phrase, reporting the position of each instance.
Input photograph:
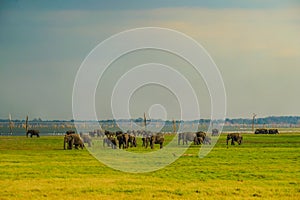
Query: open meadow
(263, 167)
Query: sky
(255, 45)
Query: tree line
(266, 120)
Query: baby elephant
(73, 139)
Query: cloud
(257, 50)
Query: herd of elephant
(124, 140)
(266, 131)
(128, 139)
(113, 139)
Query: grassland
(263, 167)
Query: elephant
(111, 142)
(201, 138)
(92, 133)
(120, 139)
(215, 132)
(145, 141)
(73, 139)
(234, 137)
(273, 131)
(261, 131)
(146, 138)
(185, 137)
(207, 140)
(33, 132)
(125, 140)
(100, 133)
(201, 134)
(110, 139)
(132, 141)
(157, 139)
(86, 139)
(198, 140)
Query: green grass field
(263, 167)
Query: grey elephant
(201, 138)
(157, 139)
(110, 139)
(86, 139)
(207, 140)
(198, 140)
(214, 132)
(121, 139)
(73, 139)
(234, 137)
(201, 134)
(132, 140)
(186, 137)
(100, 133)
(261, 131)
(146, 138)
(33, 132)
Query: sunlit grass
(264, 166)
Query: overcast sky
(255, 44)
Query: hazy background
(255, 44)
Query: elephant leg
(195, 141)
(161, 145)
(201, 140)
(76, 146)
(232, 141)
(71, 144)
(113, 145)
(152, 144)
